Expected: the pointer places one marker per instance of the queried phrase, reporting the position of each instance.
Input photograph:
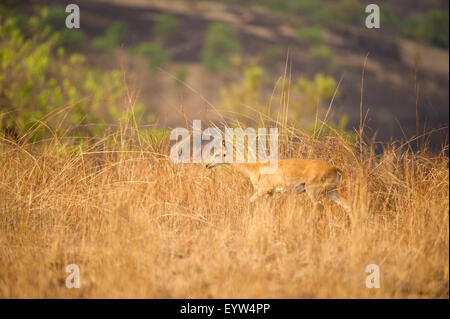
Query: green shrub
(154, 54)
(311, 97)
(155, 136)
(112, 37)
(312, 35)
(349, 11)
(166, 25)
(433, 27)
(316, 10)
(438, 22)
(37, 77)
(326, 12)
(71, 39)
(388, 16)
(220, 43)
(295, 6)
(323, 54)
(320, 88)
(55, 18)
(246, 93)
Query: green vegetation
(322, 53)
(432, 27)
(294, 6)
(154, 54)
(388, 16)
(55, 17)
(312, 99)
(112, 37)
(165, 25)
(348, 12)
(313, 93)
(244, 97)
(326, 12)
(307, 98)
(154, 136)
(312, 35)
(71, 39)
(220, 43)
(318, 50)
(37, 79)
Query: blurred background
(232, 60)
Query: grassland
(140, 226)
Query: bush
(220, 43)
(323, 54)
(349, 11)
(34, 80)
(71, 39)
(166, 25)
(55, 17)
(313, 93)
(388, 16)
(247, 93)
(295, 6)
(112, 37)
(431, 28)
(154, 54)
(312, 35)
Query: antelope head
(218, 157)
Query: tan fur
(315, 177)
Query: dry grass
(140, 226)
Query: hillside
(265, 36)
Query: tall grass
(141, 226)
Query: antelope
(315, 177)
